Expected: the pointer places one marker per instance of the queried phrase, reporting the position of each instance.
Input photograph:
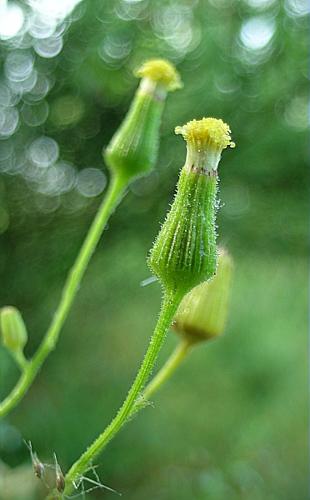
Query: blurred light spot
(9, 119)
(115, 48)
(257, 32)
(48, 47)
(296, 113)
(145, 185)
(7, 165)
(58, 179)
(4, 220)
(35, 114)
(53, 9)
(11, 19)
(91, 182)
(297, 8)
(41, 27)
(47, 204)
(73, 202)
(5, 95)
(90, 126)
(44, 151)
(18, 66)
(221, 4)
(25, 85)
(131, 9)
(174, 24)
(237, 201)
(16, 162)
(33, 173)
(40, 89)
(226, 84)
(67, 110)
(260, 4)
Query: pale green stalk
(169, 307)
(31, 368)
(167, 370)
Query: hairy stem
(167, 369)
(169, 307)
(69, 292)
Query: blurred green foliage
(232, 423)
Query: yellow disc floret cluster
(161, 71)
(207, 132)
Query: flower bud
(14, 333)
(132, 151)
(60, 478)
(202, 313)
(184, 253)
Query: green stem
(20, 360)
(167, 370)
(169, 307)
(70, 289)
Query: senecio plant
(194, 275)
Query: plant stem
(20, 360)
(167, 370)
(168, 309)
(72, 284)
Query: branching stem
(167, 369)
(169, 307)
(69, 292)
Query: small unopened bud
(38, 466)
(13, 329)
(132, 151)
(184, 253)
(202, 314)
(60, 479)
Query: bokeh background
(232, 423)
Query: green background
(232, 423)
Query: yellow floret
(207, 132)
(161, 71)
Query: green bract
(184, 253)
(132, 151)
(13, 329)
(202, 314)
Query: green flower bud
(202, 313)
(132, 151)
(184, 253)
(13, 329)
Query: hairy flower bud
(13, 329)
(132, 151)
(202, 314)
(184, 253)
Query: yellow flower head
(206, 132)
(161, 71)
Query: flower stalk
(131, 153)
(169, 306)
(133, 149)
(183, 255)
(32, 367)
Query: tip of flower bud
(161, 71)
(206, 132)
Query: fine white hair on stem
(94, 482)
